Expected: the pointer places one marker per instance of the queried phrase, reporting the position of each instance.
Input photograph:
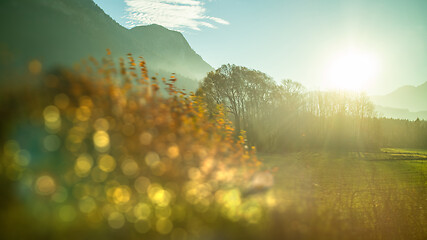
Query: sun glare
(352, 70)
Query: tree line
(286, 116)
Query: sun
(352, 70)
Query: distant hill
(398, 113)
(414, 99)
(62, 32)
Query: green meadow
(381, 195)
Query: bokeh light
(45, 185)
(107, 163)
(103, 157)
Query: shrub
(97, 151)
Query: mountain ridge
(412, 98)
(61, 32)
(397, 113)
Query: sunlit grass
(345, 196)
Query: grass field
(350, 195)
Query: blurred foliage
(103, 152)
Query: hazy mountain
(398, 113)
(171, 49)
(414, 99)
(62, 32)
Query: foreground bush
(97, 152)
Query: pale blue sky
(296, 39)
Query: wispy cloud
(174, 14)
